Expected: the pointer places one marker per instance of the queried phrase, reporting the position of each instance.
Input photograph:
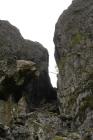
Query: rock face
(35, 52)
(29, 109)
(23, 72)
(41, 124)
(74, 56)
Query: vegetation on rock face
(74, 56)
(24, 87)
(29, 78)
(77, 39)
(28, 102)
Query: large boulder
(74, 55)
(41, 88)
(23, 69)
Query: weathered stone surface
(12, 90)
(38, 125)
(74, 55)
(18, 74)
(41, 88)
(8, 109)
(24, 79)
(25, 85)
(41, 124)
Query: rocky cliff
(74, 56)
(23, 70)
(29, 108)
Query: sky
(36, 21)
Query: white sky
(36, 21)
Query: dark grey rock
(25, 86)
(74, 56)
(42, 124)
(35, 87)
(41, 87)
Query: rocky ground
(30, 108)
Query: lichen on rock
(74, 56)
(29, 106)
(24, 79)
